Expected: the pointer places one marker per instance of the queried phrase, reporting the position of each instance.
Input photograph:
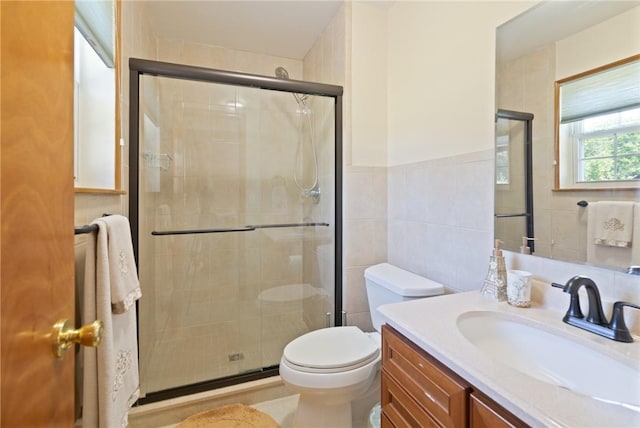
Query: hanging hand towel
(111, 381)
(125, 288)
(614, 224)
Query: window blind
(95, 20)
(609, 91)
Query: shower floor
(202, 353)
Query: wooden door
(36, 216)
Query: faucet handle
(574, 310)
(617, 324)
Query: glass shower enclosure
(234, 201)
(513, 223)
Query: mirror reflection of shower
(310, 189)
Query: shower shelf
(247, 228)
(157, 160)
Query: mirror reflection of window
(599, 127)
(94, 95)
(502, 159)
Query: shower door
(236, 254)
(513, 179)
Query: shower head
(281, 73)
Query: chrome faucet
(595, 322)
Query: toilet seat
(331, 350)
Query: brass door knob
(64, 335)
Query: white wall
(441, 77)
(613, 39)
(369, 88)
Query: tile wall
(365, 236)
(441, 218)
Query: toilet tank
(389, 284)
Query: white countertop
(431, 323)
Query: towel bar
(87, 228)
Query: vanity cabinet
(419, 391)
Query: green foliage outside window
(613, 156)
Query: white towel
(125, 288)
(614, 224)
(111, 381)
(635, 249)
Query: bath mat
(231, 416)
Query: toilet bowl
(333, 366)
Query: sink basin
(551, 358)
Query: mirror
(534, 51)
(96, 88)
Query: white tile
(440, 193)
(473, 206)
(355, 294)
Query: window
(607, 147)
(95, 95)
(502, 159)
(598, 119)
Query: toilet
(333, 366)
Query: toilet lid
(330, 349)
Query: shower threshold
(209, 385)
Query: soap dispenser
(495, 284)
(524, 248)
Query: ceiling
(289, 28)
(540, 25)
(281, 28)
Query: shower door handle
(194, 231)
(248, 228)
(512, 215)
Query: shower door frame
(139, 67)
(527, 122)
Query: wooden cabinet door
(400, 409)
(438, 391)
(36, 215)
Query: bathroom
(402, 138)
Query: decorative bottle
(495, 284)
